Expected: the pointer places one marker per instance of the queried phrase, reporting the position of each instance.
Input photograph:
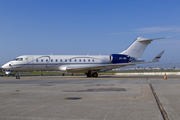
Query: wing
(97, 67)
(105, 67)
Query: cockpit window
(18, 59)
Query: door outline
(30, 62)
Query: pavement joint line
(162, 110)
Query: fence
(167, 67)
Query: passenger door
(30, 62)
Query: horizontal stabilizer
(156, 59)
(149, 40)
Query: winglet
(156, 59)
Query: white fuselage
(54, 62)
(83, 63)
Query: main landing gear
(17, 75)
(92, 74)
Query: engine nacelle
(120, 58)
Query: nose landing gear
(17, 75)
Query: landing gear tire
(17, 76)
(95, 74)
(89, 75)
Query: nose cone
(6, 66)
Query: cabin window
(88, 60)
(60, 60)
(79, 60)
(36, 60)
(18, 59)
(56, 60)
(84, 60)
(69, 60)
(65, 60)
(41, 60)
(120, 58)
(75, 60)
(46, 60)
(124, 58)
(93, 60)
(51, 60)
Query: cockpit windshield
(18, 59)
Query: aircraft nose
(5, 66)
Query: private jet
(88, 64)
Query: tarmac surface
(81, 98)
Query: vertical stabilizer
(138, 47)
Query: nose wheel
(17, 75)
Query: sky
(80, 27)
